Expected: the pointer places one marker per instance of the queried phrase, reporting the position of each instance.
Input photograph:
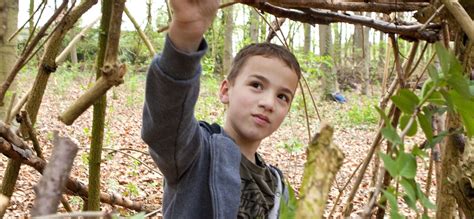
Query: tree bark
(8, 26)
(335, 5)
(329, 74)
(307, 38)
(51, 185)
(324, 159)
(228, 41)
(254, 25)
(445, 201)
(72, 45)
(142, 35)
(315, 16)
(108, 43)
(366, 62)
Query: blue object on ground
(338, 97)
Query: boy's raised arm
(172, 87)
(190, 20)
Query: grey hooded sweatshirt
(200, 162)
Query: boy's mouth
(261, 118)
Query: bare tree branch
(315, 16)
(51, 185)
(73, 186)
(337, 5)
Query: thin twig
(341, 191)
(311, 95)
(25, 120)
(19, 105)
(21, 61)
(9, 110)
(432, 17)
(400, 76)
(29, 19)
(34, 28)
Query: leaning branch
(73, 186)
(345, 6)
(73, 42)
(112, 72)
(315, 16)
(22, 60)
(323, 162)
(142, 35)
(51, 185)
(463, 18)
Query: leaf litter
(127, 172)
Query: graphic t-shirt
(257, 188)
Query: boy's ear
(224, 91)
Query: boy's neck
(249, 151)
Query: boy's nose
(267, 102)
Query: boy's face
(258, 99)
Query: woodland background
(403, 152)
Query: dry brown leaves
(127, 172)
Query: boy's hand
(190, 20)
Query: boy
(212, 171)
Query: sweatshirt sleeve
(168, 123)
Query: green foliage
(365, 114)
(288, 207)
(292, 145)
(311, 64)
(134, 95)
(209, 108)
(132, 190)
(447, 89)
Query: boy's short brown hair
(267, 50)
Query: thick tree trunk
(366, 62)
(445, 201)
(228, 41)
(307, 38)
(8, 25)
(254, 25)
(325, 46)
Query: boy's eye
(257, 85)
(284, 97)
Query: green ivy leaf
(389, 164)
(468, 121)
(437, 139)
(425, 123)
(410, 191)
(464, 107)
(460, 84)
(423, 200)
(392, 200)
(404, 119)
(288, 210)
(433, 73)
(406, 164)
(444, 57)
(406, 101)
(389, 133)
(383, 115)
(417, 152)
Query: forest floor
(134, 175)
